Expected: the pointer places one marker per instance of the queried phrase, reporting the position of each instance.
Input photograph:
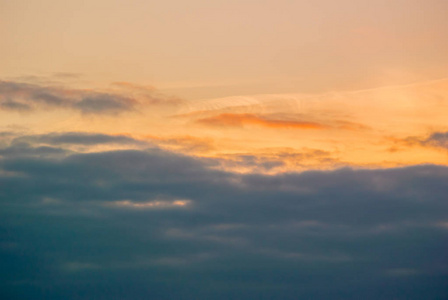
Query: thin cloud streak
(26, 97)
(239, 120)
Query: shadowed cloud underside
(148, 219)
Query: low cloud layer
(151, 224)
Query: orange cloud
(347, 125)
(239, 120)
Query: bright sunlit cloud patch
(157, 204)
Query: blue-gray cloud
(60, 144)
(437, 139)
(79, 138)
(19, 96)
(105, 226)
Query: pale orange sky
(208, 49)
(313, 84)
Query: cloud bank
(152, 224)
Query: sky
(224, 149)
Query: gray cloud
(14, 105)
(88, 226)
(24, 149)
(54, 145)
(79, 138)
(437, 139)
(104, 103)
(434, 140)
(25, 97)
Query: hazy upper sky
(214, 149)
(222, 48)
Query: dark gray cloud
(118, 225)
(25, 97)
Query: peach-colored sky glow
(263, 86)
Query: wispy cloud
(19, 96)
(78, 138)
(239, 120)
(437, 139)
(27, 97)
(185, 143)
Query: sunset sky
(287, 149)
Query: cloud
(157, 204)
(268, 212)
(61, 144)
(14, 105)
(155, 224)
(104, 103)
(23, 96)
(18, 96)
(239, 120)
(437, 139)
(148, 94)
(276, 160)
(434, 140)
(24, 149)
(252, 163)
(184, 144)
(79, 138)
